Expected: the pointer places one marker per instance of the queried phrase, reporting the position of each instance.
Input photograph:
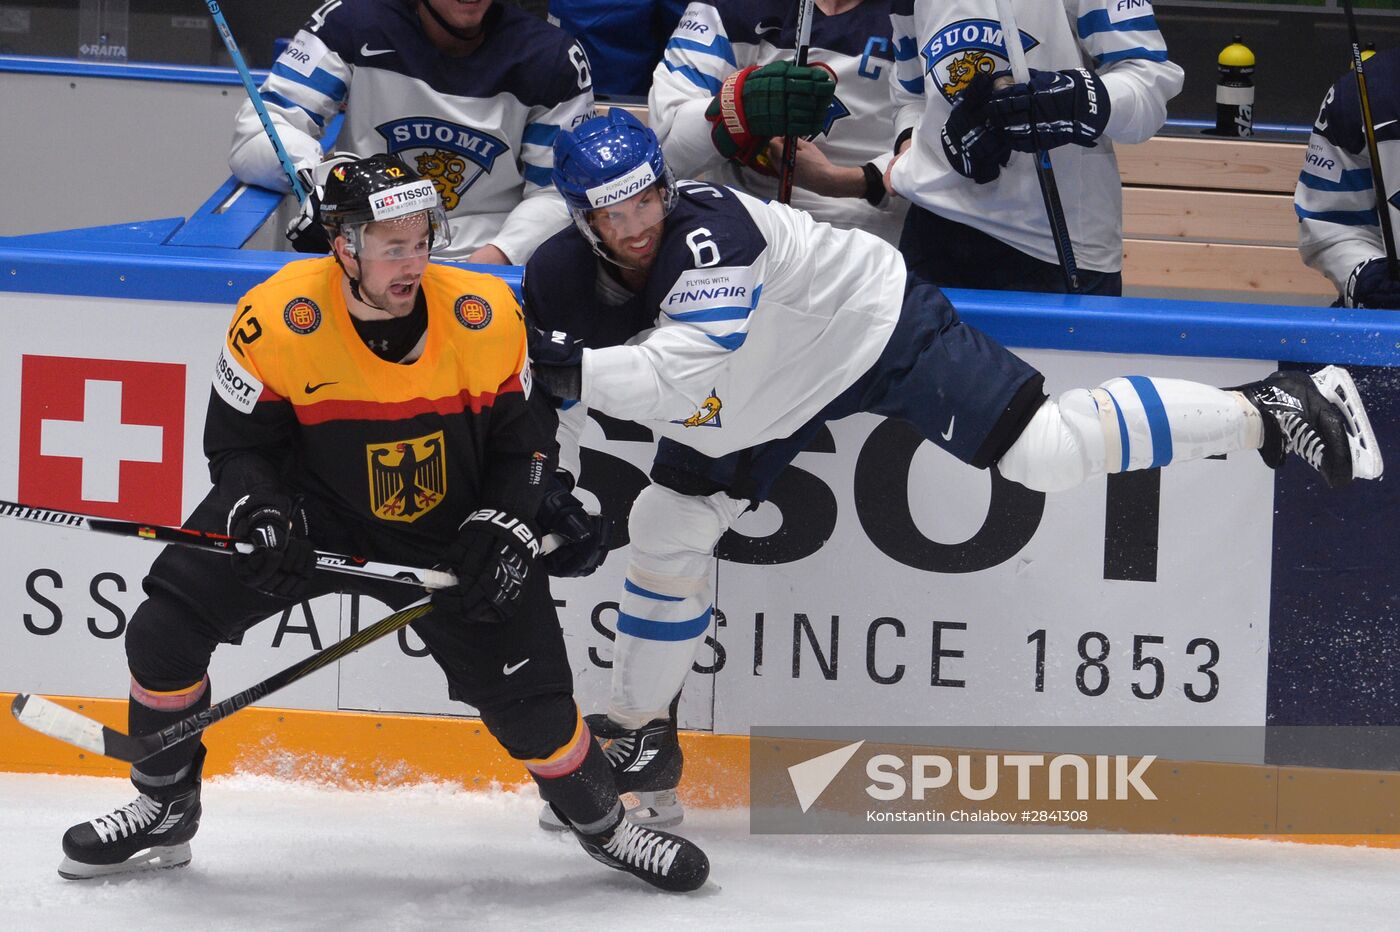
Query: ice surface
(275, 855)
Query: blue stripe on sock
(629, 586)
(1122, 430)
(1156, 420)
(648, 630)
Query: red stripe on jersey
(323, 412)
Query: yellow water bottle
(1234, 92)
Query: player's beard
(395, 301)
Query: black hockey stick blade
(50, 718)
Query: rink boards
(885, 582)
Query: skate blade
(152, 859)
(1336, 385)
(655, 810)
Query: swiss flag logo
(103, 436)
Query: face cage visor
(394, 240)
(626, 212)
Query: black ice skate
(152, 832)
(646, 762)
(1320, 418)
(663, 860)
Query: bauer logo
(961, 51)
(620, 189)
(103, 437)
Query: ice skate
(663, 860)
(152, 832)
(1320, 418)
(646, 762)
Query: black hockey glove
(282, 560)
(974, 148)
(587, 538)
(1053, 109)
(492, 559)
(1370, 285)
(557, 361)
(305, 232)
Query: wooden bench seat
(1214, 214)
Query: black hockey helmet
(358, 191)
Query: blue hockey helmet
(607, 160)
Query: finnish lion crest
(447, 172)
(964, 68)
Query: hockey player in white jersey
(1339, 232)
(714, 66)
(469, 94)
(1099, 75)
(735, 328)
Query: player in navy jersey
(704, 110)
(1339, 233)
(469, 94)
(736, 328)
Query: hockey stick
(227, 35)
(1368, 122)
(48, 717)
(788, 169)
(1044, 171)
(222, 543)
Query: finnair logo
(620, 189)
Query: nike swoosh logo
(948, 434)
(1381, 126)
(367, 52)
(510, 668)
(313, 389)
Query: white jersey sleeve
(697, 58)
(1123, 45)
(572, 418)
(305, 89)
(764, 315)
(1335, 198)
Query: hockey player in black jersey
(735, 329)
(373, 402)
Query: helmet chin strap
(451, 29)
(355, 286)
